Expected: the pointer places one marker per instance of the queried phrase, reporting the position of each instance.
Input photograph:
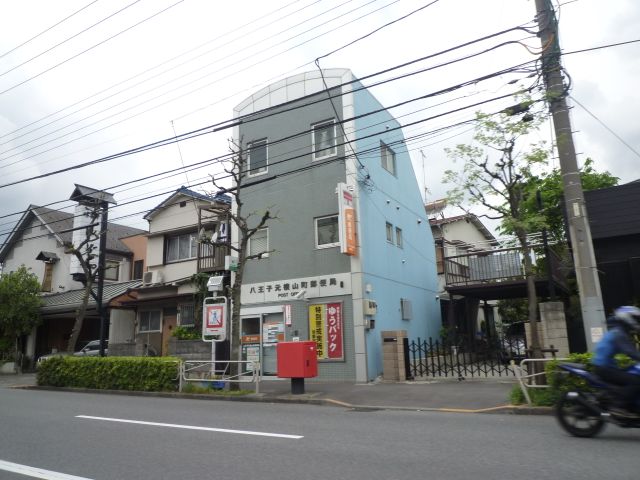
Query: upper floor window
(138, 268)
(181, 247)
(112, 270)
(149, 321)
(389, 233)
(259, 243)
(399, 237)
(257, 160)
(388, 158)
(324, 139)
(327, 232)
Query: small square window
(324, 140)
(389, 233)
(257, 160)
(388, 159)
(399, 237)
(259, 243)
(186, 314)
(112, 270)
(149, 321)
(327, 232)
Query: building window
(327, 232)
(388, 159)
(399, 237)
(149, 321)
(48, 276)
(182, 247)
(112, 270)
(186, 314)
(389, 233)
(259, 243)
(440, 257)
(324, 140)
(138, 268)
(257, 158)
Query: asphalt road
(43, 430)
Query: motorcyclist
(624, 323)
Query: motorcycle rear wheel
(577, 419)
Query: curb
(304, 399)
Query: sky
(84, 80)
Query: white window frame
(399, 238)
(192, 235)
(384, 147)
(264, 169)
(313, 139)
(140, 330)
(109, 269)
(389, 229)
(193, 308)
(266, 254)
(315, 225)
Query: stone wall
(393, 364)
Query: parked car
(42, 358)
(92, 349)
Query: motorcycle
(584, 413)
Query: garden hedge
(148, 374)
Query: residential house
(174, 254)
(37, 241)
(347, 256)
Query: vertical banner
(347, 219)
(326, 328)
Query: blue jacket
(613, 342)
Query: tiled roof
(219, 197)
(71, 299)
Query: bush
(186, 333)
(148, 374)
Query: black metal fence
(463, 358)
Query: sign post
(214, 323)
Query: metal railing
(209, 372)
(527, 380)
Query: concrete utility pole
(593, 316)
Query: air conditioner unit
(405, 307)
(152, 277)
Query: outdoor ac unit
(151, 277)
(405, 307)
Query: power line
(47, 29)
(68, 39)
(90, 48)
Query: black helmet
(628, 317)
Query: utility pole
(102, 311)
(593, 316)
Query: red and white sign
(214, 319)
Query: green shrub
(186, 333)
(149, 374)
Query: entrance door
(168, 323)
(259, 335)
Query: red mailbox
(297, 360)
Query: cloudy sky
(84, 80)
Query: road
(59, 432)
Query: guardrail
(524, 379)
(210, 371)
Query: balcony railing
(495, 266)
(211, 258)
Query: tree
(86, 256)
(248, 224)
(19, 306)
(494, 176)
(550, 186)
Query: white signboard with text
(285, 290)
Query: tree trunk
(531, 296)
(235, 315)
(80, 313)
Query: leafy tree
(496, 168)
(551, 191)
(19, 306)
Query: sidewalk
(467, 396)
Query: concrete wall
(122, 326)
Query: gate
(463, 358)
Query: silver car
(92, 349)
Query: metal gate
(463, 358)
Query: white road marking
(35, 472)
(192, 427)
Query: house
(37, 241)
(614, 220)
(454, 236)
(167, 296)
(347, 257)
